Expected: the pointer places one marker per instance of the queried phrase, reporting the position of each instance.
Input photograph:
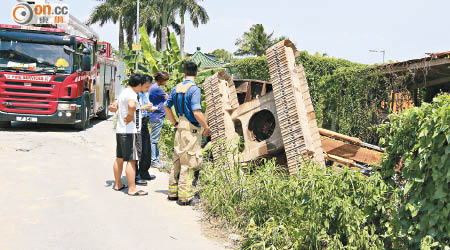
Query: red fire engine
(50, 76)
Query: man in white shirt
(128, 135)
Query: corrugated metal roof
(430, 57)
(204, 60)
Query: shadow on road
(42, 127)
(110, 184)
(162, 192)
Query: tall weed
(319, 208)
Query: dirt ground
(56, 193)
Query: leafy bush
(350, 100)
(419, 139)
(317, 66)
(319, 208)
(251, 68)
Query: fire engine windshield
(35, 57)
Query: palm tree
(197, 15)
(255, 42)
(169, 9)
(157, 14)
(114, 11)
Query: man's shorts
(129, 146)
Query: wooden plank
(333, 134)
(350, 151)
(340, 160)
(352, 140)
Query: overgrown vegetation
(319, 208)
(325, 208)
(419, 140)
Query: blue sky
(406, 29)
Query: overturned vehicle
(277, 119)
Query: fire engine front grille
(22, 104)
(45, 85)
(27, 91)
(27, 108)
(27, 97)
(20, 97)
(32, 102)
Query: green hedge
(419, 138)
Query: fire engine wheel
(84, 116)
(5, 124)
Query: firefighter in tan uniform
(191, 125)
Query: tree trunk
(158, 40)
(121, 38)
(164, 39)
(164, 27)
(182, 34)
(130, 38)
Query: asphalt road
(56, 193)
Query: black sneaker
(172, 198)
(191, 202)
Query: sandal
(120, 189)
(139, 193)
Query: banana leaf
(147, 50)
(130, 62)
(175, 52)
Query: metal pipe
(137, 32)
(367, 145)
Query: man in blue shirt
(157, 97)
(191, 124)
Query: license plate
(26, 119)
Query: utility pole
(380, 51)
(137, 33)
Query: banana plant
(150, 60)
